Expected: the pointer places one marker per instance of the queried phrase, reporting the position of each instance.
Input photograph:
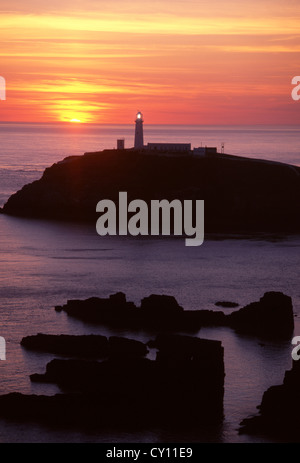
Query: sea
(44, 263)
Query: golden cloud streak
(155, 24)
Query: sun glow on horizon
(184, 62)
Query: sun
(75, 120)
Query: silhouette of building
(165, 148)
(121, 144)
(205, 151)
(170, 147)
(139, 136)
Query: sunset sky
(182, 62)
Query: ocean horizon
(28, 148)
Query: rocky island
(270, 317)
(240, 194)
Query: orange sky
(189, 61)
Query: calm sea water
(44, 263)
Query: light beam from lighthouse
(139, 136)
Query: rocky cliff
(279, 410)
(240, 194)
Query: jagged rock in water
(184, 386)
(279, 410)
(272, 316)
(85, 345)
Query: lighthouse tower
(139, 137)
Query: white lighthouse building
(139, 136)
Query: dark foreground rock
(270, 317)
(240, 194)
(96, 346)
(184, 386)
(279, 410)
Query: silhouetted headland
(270, 317)
(182, 387)
(240, 194)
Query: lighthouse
(139, 137)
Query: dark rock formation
(85, 345)
(102, 310)
(240, 194)
(279, 410)
(155, 312)
(184, 386)
(158, 304)
(119, 347)
(271, 316)
(227, 304)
